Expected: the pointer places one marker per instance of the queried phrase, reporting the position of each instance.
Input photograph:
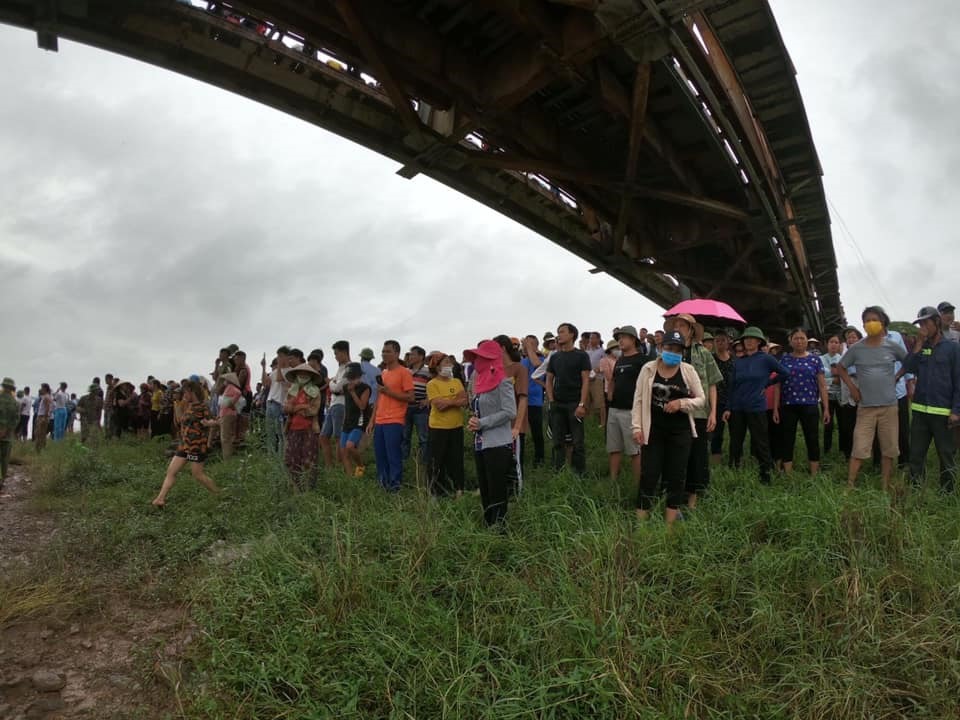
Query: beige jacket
(640, 417)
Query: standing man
(333, 420)
(89, 408)
(936, 401)
(620, 393)
(568, 387)
(389, 417)
(418, 412)
(658, 342)
(369, 375)
(596, 401)
(948, 322)
(60, 412)
(276, 395)
(25, 403)
(532, 359)
(9, 420)
(109, 402)
(875, 394)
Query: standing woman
(41, 417)
(804, 392)
(830, 360)
(668, 392)
(302, 404)
(847, 412)
(447, 398)
(752, 374)
(494, 410)
(193, 443)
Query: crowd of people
(664, 400)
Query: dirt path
(88, 650)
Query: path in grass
(74, 644)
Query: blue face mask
(671, 359)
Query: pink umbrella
(708, 312)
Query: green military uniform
(9, 420)
(706, 367)
(89, 408)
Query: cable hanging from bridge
(858, 254)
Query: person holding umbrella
(752, 373)
(667, 392)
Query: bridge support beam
(638, 121)
(46, 14)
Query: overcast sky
(147, 219)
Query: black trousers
(846, 422)
(446, 460)
(924, 429)
(774, 438)
(756, 423)
(665, 456)
(808, 417)
(564, 422)
(493, 465)
(903, 417)
(716, 438)
(121, 421)
(829, 427)
(535, 418)
(698, 466)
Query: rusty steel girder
(628, 132)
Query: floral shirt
(193, 435)
(802, 386)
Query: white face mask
(446, 371)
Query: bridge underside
(670, 150)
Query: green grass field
(792, 601)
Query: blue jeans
(387, 443)
(421, 421)
(59, 423)
(274, 425)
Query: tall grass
(798, 600)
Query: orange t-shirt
(389, 410)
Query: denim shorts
(353, 436)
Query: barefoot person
(193, 442)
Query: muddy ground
(86, 648)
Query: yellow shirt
(451, 418)
(155, 399)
